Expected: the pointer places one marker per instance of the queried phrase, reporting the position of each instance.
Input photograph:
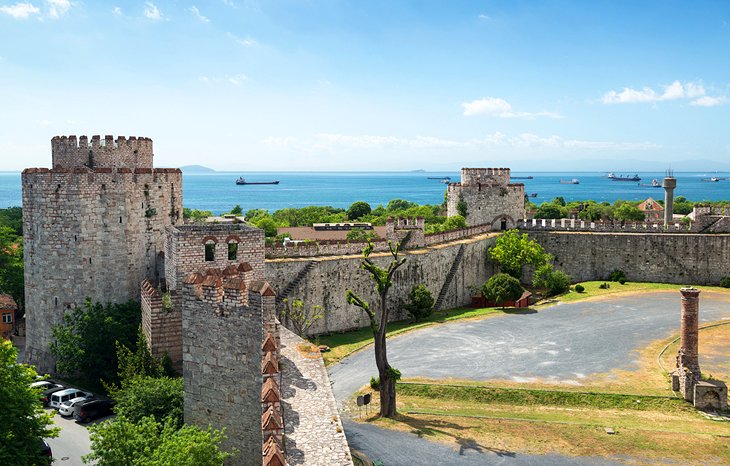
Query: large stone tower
(94, 226)
(669, 183)
(488, 198)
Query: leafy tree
(121, 442)
(12, 281)
(560, 200)
(455, 222)
(555, 281)
(550, 210)
(383, 279)
(360, 235)
(514, 250)
(461, 207)
(306, 216)
(142, 396)
(501, 288)
(23, 421)
(358, 210)
(628, 212)
(85, 341)
(237, 210)
(196, 215)
(396, 205)
(420, 305)
(268, 225)
(137, 361)
(255, 214)
(12, 217)
(300, 317)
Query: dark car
(92, 409)
(46, 394)
(46, 453)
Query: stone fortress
(104, 224)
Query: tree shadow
(519, 310)
(424, 428)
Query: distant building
(7, 313)
(653, 211)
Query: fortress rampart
(94, 233)
(132, 152)
(488, 198)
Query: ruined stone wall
(327, 282)
(222, 367)
(68, 152)
(489, 197)
(185, 249)
(656, 257)
(90, 233)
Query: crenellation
(70, 152)
(488, 198)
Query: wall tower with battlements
(488, 198)
(94, 227)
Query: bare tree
(300, 317)
(383, 278)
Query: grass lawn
(592, 289)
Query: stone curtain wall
(90, 233)
(185, 249)
(68, 152)
(162, 327)
(222, 367)
(566, 224)
(489, 197)
(655, 257)
(328, 281)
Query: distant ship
(242, 180)
(714, 179)
(521, 177)
(613, 177)
(573, 181)
(447, 178)
(654, 184)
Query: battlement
(405, 223)
(489, 176)
(70, 152)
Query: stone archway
(502, 223)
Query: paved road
(564, 343)
(71, 444)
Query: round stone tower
(669, 183)
(93, 227)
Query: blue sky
(371, 85)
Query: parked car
(46, 453)
(46, 394)
(67, 407)
(92, 409)
(45, 384)
(64, 395)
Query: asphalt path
(564, 344)
(72, 442)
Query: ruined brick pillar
(688, 364)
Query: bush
(375, 383)
(579, 288)
(555, 281)
(502, 287)
(622, 281)
(725, 282)
(420, 305)
(604, 286)
(617, 275)
(358, 210)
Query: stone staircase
(283, 294)
(449, 278)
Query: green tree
(383, 279)
(550, 210)
(268, 225)
(501, 288)
(554, 281)
(137, 361)
(12, 217)
(85, 341)
(560, 200)
(455, 222)
(420, 303)
(628, 212)
(357, 235)
(121, 442)
(358, 210)
(396, 205)
(196, 215)
(142, 396)
(513, 250)
(12, 280)
(23, 421)
(300, 317)
(237, 210)
(461, 207)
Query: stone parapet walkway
(313, 430)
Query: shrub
(579, 288)
(502, 287)
(604, 286)
(555, 281)
(375, 383)
(420, 305)
(617, 275)
(622, 281)
(725, 282)
(358, 210)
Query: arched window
(209, 251)
(232, 250)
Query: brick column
(688, 365)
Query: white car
(67, 407)
(64, 395)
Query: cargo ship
(242, 180)
(613, 177)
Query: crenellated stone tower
(94, 227)
(488, 198)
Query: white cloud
(194, 10)
(20, 10)
(152, 12)
(483, 17)
(676, 90)
(58, 8)
(494, 106)
(117, 11)
(237, 79)
(247, 42)
(707, 101)
(336, 142)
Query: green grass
(532, 397)
(592, 289)
(342, 344)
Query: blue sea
(219, 193)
